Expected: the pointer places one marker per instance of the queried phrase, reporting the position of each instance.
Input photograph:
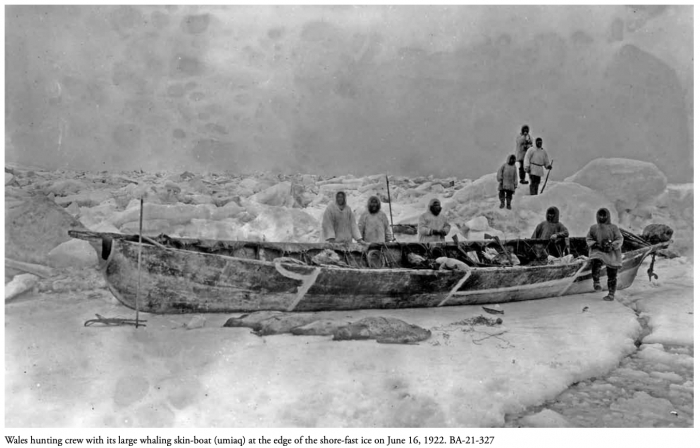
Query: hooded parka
(429, 222)
(602, 234)
(339, 223)
(374, 227)
(507, 175)
(551, 226)
(536, 159)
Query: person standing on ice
(605, 247)
(373, 224)
(536, 160)
(507, 181)
(338, 224)
(551, 229)
(522, 143)
(433, 227)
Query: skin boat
(181, 275)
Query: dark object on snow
(386, 330)
(321, 327)
(480, 320)
(114, 321)
(657, 233)
(492, 310)
(266, 323)
(251, 320)
(284, 323)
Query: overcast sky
(337, 89)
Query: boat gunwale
(519, 268)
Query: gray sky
(343, 89)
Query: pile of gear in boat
(550, 244)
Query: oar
(547, 178)
(391, 216)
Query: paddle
(547, 178)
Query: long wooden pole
(547, 178)
(391, 216)
(138, 275)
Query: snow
(362, 90)
(666, 303)
(189, 371)
(72, 253)
(628, 183)
(656, 353)
(650, 407)
(232, 375)
(577, 206)
(277, 195)
(19, 285)
(485, 186)
(546, 419)
(653, 387)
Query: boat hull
(181, 281)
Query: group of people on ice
(339, 225)
(532, 161)
(604, 239)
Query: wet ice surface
(654, 386)
(640, 393)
